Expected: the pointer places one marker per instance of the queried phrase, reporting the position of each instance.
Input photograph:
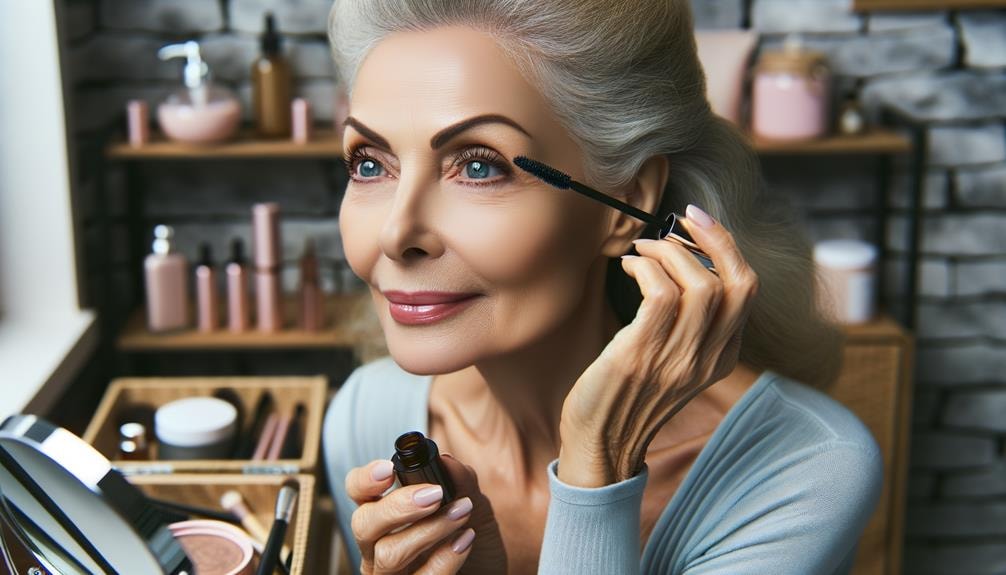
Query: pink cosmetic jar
(790, 95)
(215, 547)
(847, 271)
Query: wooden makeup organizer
(875, 382)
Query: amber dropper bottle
(417, 460)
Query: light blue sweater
(785, 485)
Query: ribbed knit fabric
(785, 485)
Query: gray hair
(625, 80)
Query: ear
(644, 192)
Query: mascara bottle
(417, 460)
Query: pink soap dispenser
(201, 112)
(166, 273)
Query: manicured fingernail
(464, 541)
(629, 257)
(694, 213)
(381, 470)
(428, 496)
(459, 509)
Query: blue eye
(369, 169)
(480, 170)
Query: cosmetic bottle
(300, 112)
(237, 289)
(417, 460)
(207, 295)
(271, 86)
(201, 112)
(312, 303)
(166, 273)
(133, 444)
(138, 122)
(268, 260)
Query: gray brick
(230, 56)
(292, 16)
(973, 278)
(955, 559)
(175, 16)
(718, 13)
(990, 481)
(79, 19)
(921, 485)
(122, 57)
(933, 450)
(883, 53)
(981, 234)
(935, 189)
(962, 319)
(963, 145)
(934, 277)
(982, 410)
(960, 364)
(823, 184)
(982, 187)
(826, 227)
(956, 519)
(229, 188)
(781, 16)
(96, 108)
(984, 35)
(901, 21)
(939, 97)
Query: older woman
(620, 414)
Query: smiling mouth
(421, 308)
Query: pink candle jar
(790, 95)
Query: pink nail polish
(459, 509)
(428, 496)
(381, 471)
(694, 213)
(464, 541)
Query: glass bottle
(417, 460)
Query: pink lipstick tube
(268, 260)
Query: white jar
(195, 428)
(847, 273)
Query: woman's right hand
(408, 530)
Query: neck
(522, 393)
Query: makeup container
(238, 309)
(268, 260)
(196, 428)
(847, 275)
(138, 122)
(166, 274)
(215, 547)
(417, 460)
(200, 112)
(271, 85)
(133, 444)
(790, 94)
(207, 292)
(312, 303)
(300, 110)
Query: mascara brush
(667, 228)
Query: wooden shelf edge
(323, 144)
(350, 323)
(877, 141)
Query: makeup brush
(234, 502)
(667, 228)
(285, 502)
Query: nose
(408, 233)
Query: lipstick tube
(268, 259)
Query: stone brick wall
(944, 68)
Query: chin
(421, 353)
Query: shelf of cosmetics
(66, 509)
(205, 112)
(167, 276)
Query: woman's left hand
(684, 337)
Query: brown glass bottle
(271, 86)
(417, 460)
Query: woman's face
(436, 212)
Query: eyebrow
(444, 135)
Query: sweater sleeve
(592, 530)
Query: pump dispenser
(166, 273)
(271, 85)
(201, 112)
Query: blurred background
(882, 119)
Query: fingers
(450, 555)
(369, 482)
(396, 551)
(373, 520)
(720, 245)
(702, 291)
(660, 295)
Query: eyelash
(471, 153)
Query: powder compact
(65, 510)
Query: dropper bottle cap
(271, 40)
(162, 239)
(237, 251)
(205, 255)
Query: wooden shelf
(868, 5)
(350, 323)
(873, 142)
(323, 144)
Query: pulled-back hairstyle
(625, 80)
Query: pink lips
(417, 308)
